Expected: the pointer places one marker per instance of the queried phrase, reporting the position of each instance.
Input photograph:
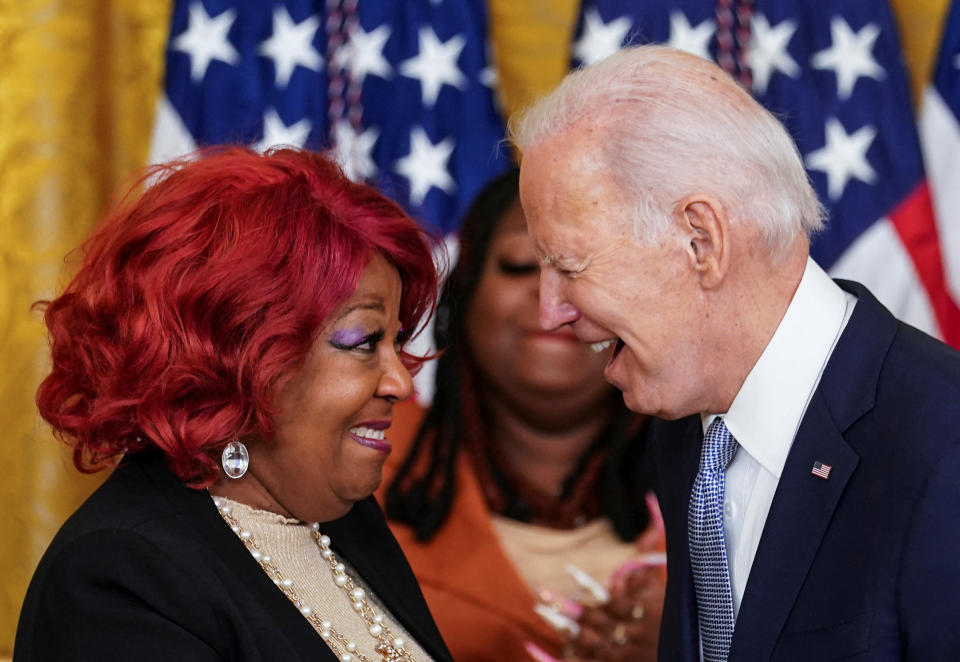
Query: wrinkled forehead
(567, 191)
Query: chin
(641, 405)
(361, 488)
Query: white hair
(674, 125)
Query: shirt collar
(766, 412)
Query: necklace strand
(389, 647)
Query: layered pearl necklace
(389, 647)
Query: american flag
(400, 90)
(940, 137)
(820, 469)
(832, 71)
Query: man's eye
(512, 268)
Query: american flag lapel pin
(821, 470)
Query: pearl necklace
(390, 648)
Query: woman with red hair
(234, 343)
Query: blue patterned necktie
(708, 553)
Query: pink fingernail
(568, 607)
(556, 620)
(538, 653)
(588, 583)
(642, 561)
(654, 507)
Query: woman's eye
(517, 268)
(366, 343)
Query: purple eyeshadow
(348, 337)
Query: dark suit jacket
(147, 570)
(866, 564)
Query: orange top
(479, 600)
(481, 604)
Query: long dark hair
(423, 489)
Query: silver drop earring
(235, 459)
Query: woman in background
(526, 463)
(236, 333)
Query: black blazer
(866, 564)
(147, 570)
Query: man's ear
(703, 219)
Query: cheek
(326, 404)
(492, 313)
(600, 304)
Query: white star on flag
(844, 156)
(426, 165)
(354, 152)
(276, 132)
(600, 40)
(290, 45)
(767, 51)
(363, 53)
(488, 75)
(205, 39)
(435, 65)
(850, 55)
(686, 38)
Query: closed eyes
(351, 341)
(517, 268)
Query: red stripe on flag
(914, 220)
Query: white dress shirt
(766, 413)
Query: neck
(759, 294)
(540, 445)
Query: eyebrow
(364, 305)
(550, 260)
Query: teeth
(600, 346)
(368, 433)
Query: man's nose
(555, 310)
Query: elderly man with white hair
(808, 452)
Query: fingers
(643, 586)
(638, 565)
(619, 623)
(604, 638)
(652, 538)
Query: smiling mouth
(371, 438)
(603, 344)
(616, 350)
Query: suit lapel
(677, 460)
(799, 516)
(361, 537)
(197, 509)
(803, 504)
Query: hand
(627, 625)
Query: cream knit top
(296, 554)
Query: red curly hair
(199, 296)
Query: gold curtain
(79, 81)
